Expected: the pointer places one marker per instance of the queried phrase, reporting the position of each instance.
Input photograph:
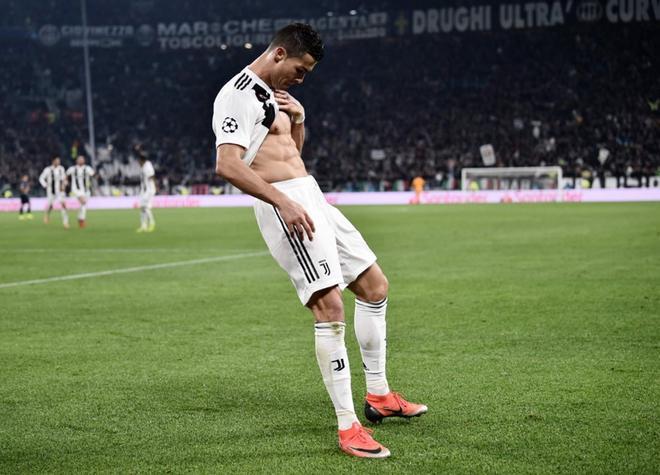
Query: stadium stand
(379, 111)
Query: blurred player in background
(53, 179)
(260, 131)
(80, 176)
(24, 188)
(147, 191)
(418, 185)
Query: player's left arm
(151, 176)
(93, 179)
(68, 173)
(289, 104)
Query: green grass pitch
(532, 332)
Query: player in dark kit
(24, 188)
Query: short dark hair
(298, 39)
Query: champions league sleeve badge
(229, 125)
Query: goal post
(511, 178)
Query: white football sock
(370, 330)
(143, 218)
(333, 361)
(150, 217)
(65, 217)
(82, 212)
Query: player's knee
(327, 305)
(378, 291)
(331, 311)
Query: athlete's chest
(281, 124)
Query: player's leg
(20, 209)
(143, 219)
(143, 213)
(315, 272)
(370, 286)
(370, 290)
(151, 222)
(317, 290)
(328, 310)
(63, 211)
(332, 358)
(29, 208)
(82, 212)
(49, 207)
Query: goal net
(512, 178)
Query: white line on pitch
(132, 269)
(109, 250)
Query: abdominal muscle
(278, 158)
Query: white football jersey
(80, 177)
(147, 185)
(52, 178)
(243, 112)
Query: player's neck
(260, 67)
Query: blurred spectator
(377, 110)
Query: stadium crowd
(379, 111)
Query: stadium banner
(527, 15)
(474, 17)
(613, 195)
(212, 35)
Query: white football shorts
(55, 198)
(337, 255)
(82, 194)
(146, 200)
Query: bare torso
(278, 158)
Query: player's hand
(296, 219)
(289, 104)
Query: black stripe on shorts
(306, 255)
(297, 251)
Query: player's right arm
(234, 119)
(69, 173)
(150, 175)
(231, 167)
(42, 178)
(64, 182)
